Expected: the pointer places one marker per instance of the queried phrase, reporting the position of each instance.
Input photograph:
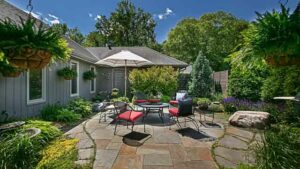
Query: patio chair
(185, 110)
(126, 115)
(179, 96)
(140, 98)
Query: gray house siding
(13, 91)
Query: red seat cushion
(153, 100)
(173, 102)
(173, 111)
(140, 101)
(133, 116)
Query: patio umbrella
(125, 59)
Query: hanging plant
(9, 71)
(276, 37)
(67, 73)
(89, 75)
(31, 46)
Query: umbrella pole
(125, 78)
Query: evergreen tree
(202, 82)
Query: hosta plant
(31, 45)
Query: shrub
(121, 99)
(80, 106)
(50, 112)
(203, 103)
(60, 154)
(217, 97)
(280, 149)
(65, 115)
(165, 99)
(215, 108)
(154, 80)
(201, 79)
(114, 92)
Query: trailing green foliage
(29, 34)
(280, 149)
(154, 80)
(89, 75)
(67, 73)
(80, 106)
(121, 99)
(201, 81)
(6, 68)
(60, 154)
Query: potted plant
(67, 73)
(275, 37)
(31, 46)
(8, 70)
(89, 75)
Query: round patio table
(154, 108)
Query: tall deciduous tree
(202, 82)
(214, 34)
(127, 26)
(72, 33)
(94, 39)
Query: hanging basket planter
(282, 61)
(67, 73)
(89, 75)
(9, 71)
(30, 45)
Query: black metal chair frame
(190, 116)
(118, 110)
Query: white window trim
(77, 78)
(93, 80)
(43, 99)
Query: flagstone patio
(159, 147)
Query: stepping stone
(189, 142)
(216, 133)
(235, 156)
(178, 153)
(84, 154)
(153, 149)
(199, 153)
(232, 142)
(157, 159)
(196, 165)
(102, 134)
(82, 162)
(114, 146)
(166, 137)
(240, 132)
(128, 162)
(157, 167)
(102, 143)
(85, 143)
(75, 130)
(105, 158)
(225, 163)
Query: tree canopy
(214, 34)
(72, 33)
(127, 26)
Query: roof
(155, 57)
(14, 13)
(187, 70)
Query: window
(36, 86)
(93, 82)
(75, 82)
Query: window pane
(74, 81)
(35, 84)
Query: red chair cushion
(133, 116)
(140, 101)
(173, 111)
(173, 102)
(153, 100)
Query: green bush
(154, 80)
(283, 81)
(215, 108)
(60, 154)
(203, 103)
(65, 115)
(121, 99)
(17, 150)
(201, 77)
(165, 99)
(50, 112)
(280, 149)
(80, 106)
(217, 97)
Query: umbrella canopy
(124, 59)
(119, 59)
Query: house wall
(13, 91)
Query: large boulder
(250, 119)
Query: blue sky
(82, 13)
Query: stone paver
(105, 158)
(128, 162)
(158, 159)
(240, 132)
(199, 153)
(232, 142)
(196, 165)
(235, 156)
(84, 154)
